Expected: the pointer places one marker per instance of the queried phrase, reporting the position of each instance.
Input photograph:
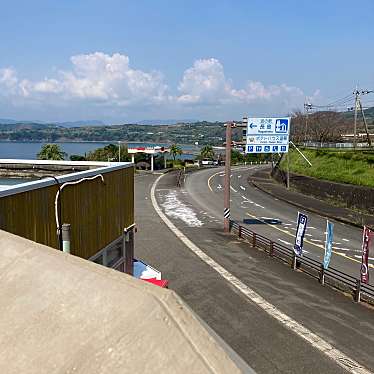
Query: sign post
(226, 202)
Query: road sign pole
(288, 169)
(226, 216)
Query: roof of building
(62, 314)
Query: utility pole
(357, 96)
(366, 125)
(119, 151)
(226, 199)
(358, 106)
(307, 107)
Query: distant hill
(369, 114)
(4, 121)
(165, 121)
(83, 123)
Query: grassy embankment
(334, 165)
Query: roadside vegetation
(333, 165)
(51, 152)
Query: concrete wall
(347, 195)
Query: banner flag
(302, 220)
(366, 240)
(328, 244)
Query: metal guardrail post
(358, 291)
(322, 275)
(294, 260)
(271, 249)
(128, 246)
(254, 239)
(240, 231)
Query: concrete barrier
(62, 314)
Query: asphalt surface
(265, 344)
(276, 219)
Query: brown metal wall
(98, 212)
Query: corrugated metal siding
(97, 212)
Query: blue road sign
(268, 135)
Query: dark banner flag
(366, 239)
(302, 220)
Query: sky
(126, 61)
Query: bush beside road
(333, 165)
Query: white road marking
(232, 188)
(370, 258)
(177, 209)
(243, 188)
(316, 240)
(284, 242)
(311, 227)
(316, 341)
(260, 206)
(345, 240)
(287, 224)
(341, 249)
(239, 176)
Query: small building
(93, 200)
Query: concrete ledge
(62, 314)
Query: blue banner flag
(302, 220)
(328, 244)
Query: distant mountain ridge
(165, 121)
(93, 122)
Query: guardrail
(331, 276)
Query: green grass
(338, 166)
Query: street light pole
(226, 211)
(119, 151)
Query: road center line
(316, 341)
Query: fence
(330, 276)
(335, 145)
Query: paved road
(276, 219)
(259, 339)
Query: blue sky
(123, 61)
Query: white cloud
(97, 77)
(108, 81)
(206, 83)
(8, 78)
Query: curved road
(275, 219)
(257, 305)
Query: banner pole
(226, 203)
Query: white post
(66, 237)
(152, 162)
(133, 158)
(165, 161)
